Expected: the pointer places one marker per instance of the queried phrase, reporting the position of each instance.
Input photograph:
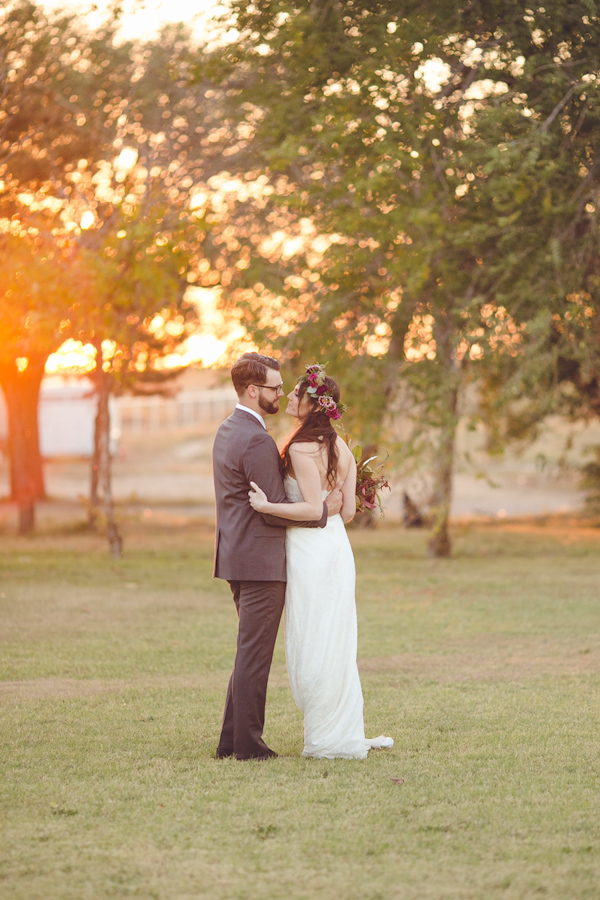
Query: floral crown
(315, 376)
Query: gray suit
(250, 554)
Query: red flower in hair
(318, 390)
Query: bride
(320, 609)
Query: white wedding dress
(321, 639)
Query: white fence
(68, 408)
(66, 416)
(138, 414)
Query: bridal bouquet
(369, 483)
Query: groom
(250, 547)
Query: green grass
(485, 669)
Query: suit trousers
(259, 606)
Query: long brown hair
(316, 428)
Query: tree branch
(560, 105)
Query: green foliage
(102, 151)
(134, 280)
(49, 120)
(447, 195)
(51, 71)
(438, 164)
(140, 255)
(37, 294)
(463, 198)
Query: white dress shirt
(252, 413)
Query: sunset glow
(204, 348)
(73, 356)
(87, 220)
(144, 20)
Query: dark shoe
(223, 754)
(270, 754)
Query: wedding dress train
(321, 639)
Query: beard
(269, 406)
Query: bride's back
(318, 454)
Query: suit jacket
(250, 546)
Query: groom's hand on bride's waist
(334, 500)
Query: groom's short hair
(251, 368)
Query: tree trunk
(439, 544)
(22, 393)
(94, 507)
(115, 541)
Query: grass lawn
(485, 669)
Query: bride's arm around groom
(250, 548)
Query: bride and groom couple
(281, 538)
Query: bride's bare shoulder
(344, 451)
(306, 448)
(345, 459)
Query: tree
(144, 239)
(35, 299)
(47, 64)
(135, 313)
(437, 162)
(101, 154)
(543, 188)
(45, 67)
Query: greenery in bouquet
(369, 483)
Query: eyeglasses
(278, 388)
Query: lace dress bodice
(293, 492)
